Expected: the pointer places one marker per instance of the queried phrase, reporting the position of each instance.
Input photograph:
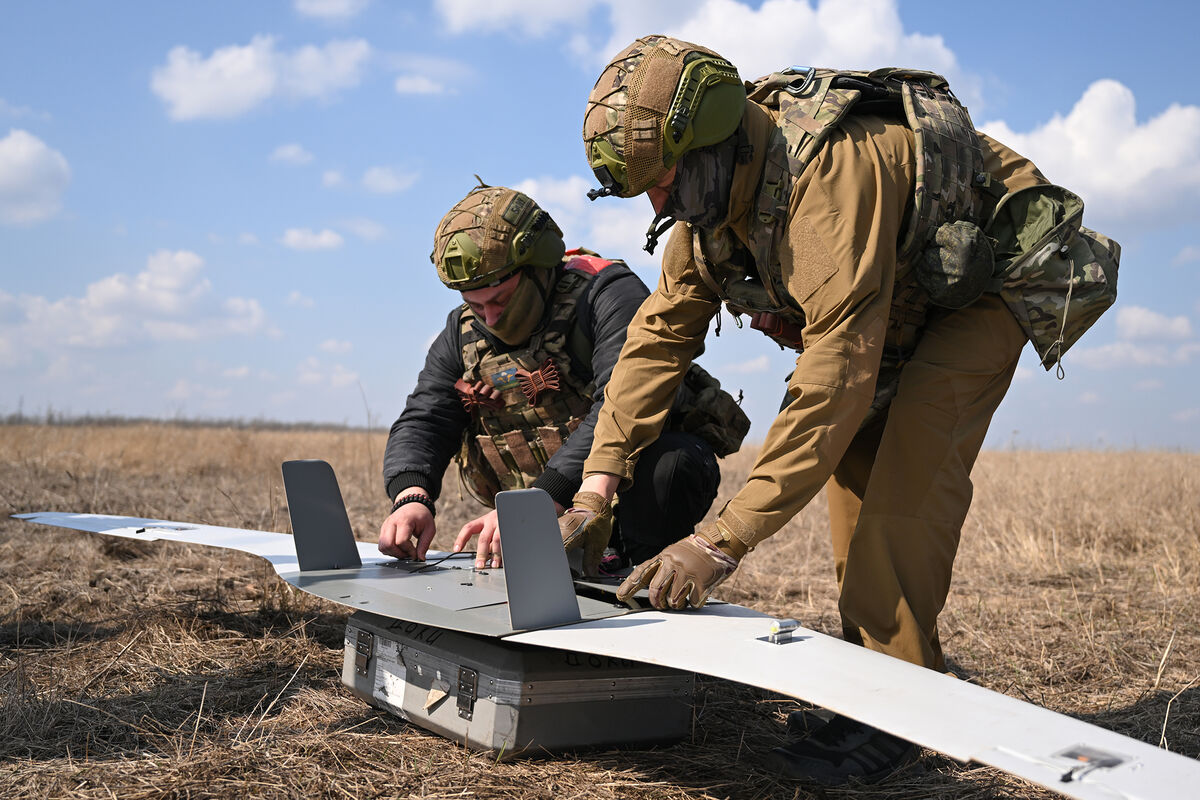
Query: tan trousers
(898, 498)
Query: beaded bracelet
(414, 498)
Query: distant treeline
(52, 417)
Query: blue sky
(226, 209)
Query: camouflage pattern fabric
(707, 410)
(617, 112)
(492, 218)
(957, 267)
(1058, 277)
(700, 193)
(629, 105)
(508, 447)
(808, 105)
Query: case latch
(364, 647)
(468, 680)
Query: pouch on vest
(702, 407)
(1058, 277)
(475, 474)
(956, 268)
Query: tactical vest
(1055, 276)
(507, 446)
(808, 105)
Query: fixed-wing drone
(522, 657)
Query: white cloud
(329, 9)
(236, 372)
(366, 229)
(33, 179)
(170, 300)
(847, 34)
(231, 81)
(1188, 255)
(1128, 354)
(1120, 354)
(1185, 353)
(312, 372)
(1023, 374)
(1186, 415)
(247, 239)
(8, 353)
(307, 239)
(1120, 167)
(424, 74)
(387, 180)
(237, 78)
(614, 229)
(9, 110)
(335, 346)
(1089, 398)
(331, 178)
(532, 17)
(321, 71)
(749, 367)
(417, 84)
(291, 153)
(1148, 385)
(1135, 322)
(187, 390)
(298, 300)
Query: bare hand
(487, 528)
(407, 532)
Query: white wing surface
(962, 720)
(277, 548)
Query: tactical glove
(587, 524)
(684, 573)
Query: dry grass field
(136, 670)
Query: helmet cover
(490, 234)
(657, 99)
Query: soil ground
(137, 670)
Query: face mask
(701, 191)
(525, 308)
(700, 194)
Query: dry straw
(139, 670)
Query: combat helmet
(657, 99)
(490, 234)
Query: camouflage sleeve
(608, 307)
(839, 261)
(429, 431)
(665, 335)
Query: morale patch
(505, 379)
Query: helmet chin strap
(656, 230)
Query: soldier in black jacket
(512, 387)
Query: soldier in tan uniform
(511, 388)
(811, 207)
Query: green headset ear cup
(543, 247)
(720, 113)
